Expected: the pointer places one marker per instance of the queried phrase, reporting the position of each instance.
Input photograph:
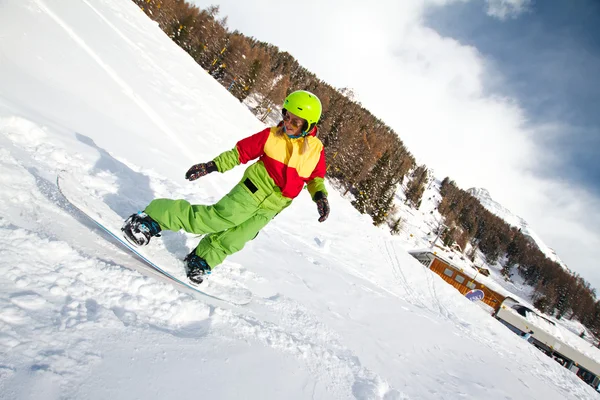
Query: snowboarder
(290, 155)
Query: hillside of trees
(365, 156)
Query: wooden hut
(456, 277)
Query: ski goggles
(295, 122)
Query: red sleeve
(253, 146)
(320, 169)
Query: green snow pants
(229, 224)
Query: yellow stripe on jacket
(288, 151)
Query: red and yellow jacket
(281, 161)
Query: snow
(340, 309)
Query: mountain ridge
(486, 200)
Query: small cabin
(456, 277)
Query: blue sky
(549, 57)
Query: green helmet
(304, 105)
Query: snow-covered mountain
(339, 309)
(497, 209)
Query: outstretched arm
(245, 150)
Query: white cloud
(503, 9)
(431, 90)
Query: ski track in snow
(174, 83)
(127, 89)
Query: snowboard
(157, 258)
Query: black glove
(199, 170)
(322, 205)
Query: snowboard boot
(139, 228)
(197, 268)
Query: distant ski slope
(497, 209)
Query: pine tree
(416, 186)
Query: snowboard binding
(196, 268)
(139, 228)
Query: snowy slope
(340, 310)
(497, 209)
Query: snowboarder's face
(293, 123)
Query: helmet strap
(301, 135)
